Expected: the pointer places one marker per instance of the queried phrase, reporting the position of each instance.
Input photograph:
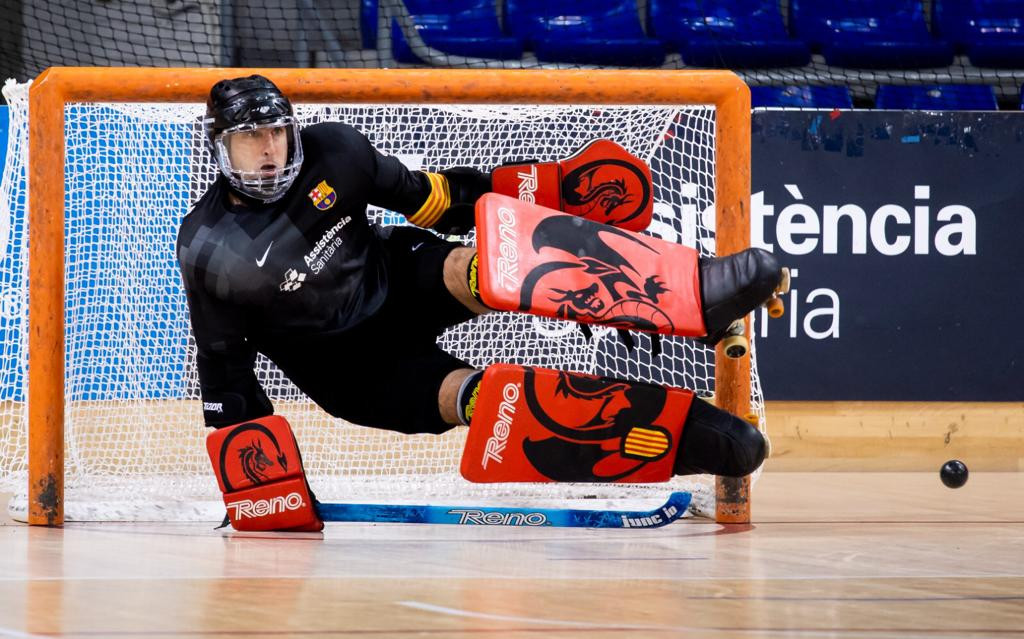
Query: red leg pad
(539, 261)
(541, 425)
(259, 470)
(602, 182)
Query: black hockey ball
(954, 473)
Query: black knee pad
(719, 443)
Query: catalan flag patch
(323, 196)
(646, 442)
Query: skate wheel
(735, 346)
(775, 308)
(783, 286)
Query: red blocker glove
(602, 182)
(542, 425)
(259, 470)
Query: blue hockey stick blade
(670, 511)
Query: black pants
(386, 372)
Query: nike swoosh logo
(416, 246)
(260, 262)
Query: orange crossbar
(58, 86)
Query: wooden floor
(830, 555)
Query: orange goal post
(115, 159)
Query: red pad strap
(602, 182)
(541, 425)
(535, 260)
(259, 470)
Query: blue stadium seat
(368, 23)
(938, 97)
(726, 33)
(990, 32)
(600, 32)
(869, 33)
(810, 97)
(459, 27)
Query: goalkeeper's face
(263, 159)
(260, 150)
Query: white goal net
(134, 441)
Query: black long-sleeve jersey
(258, 276)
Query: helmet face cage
(259, 184)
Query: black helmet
(247, 104)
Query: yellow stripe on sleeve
(436, 203)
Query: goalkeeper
(278, 257)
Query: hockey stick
(670, 511)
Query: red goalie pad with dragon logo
(542, 425)
(539, 261)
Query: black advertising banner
(904, 231)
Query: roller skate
(731, 287)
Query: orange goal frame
(56, 87)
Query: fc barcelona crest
(323, 196)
